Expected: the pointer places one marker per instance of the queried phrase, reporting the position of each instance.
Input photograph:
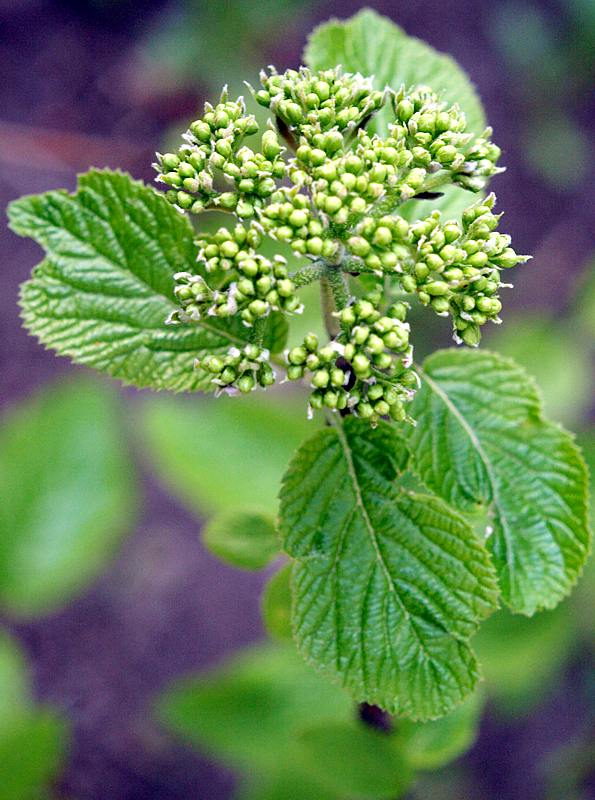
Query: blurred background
(107, 595)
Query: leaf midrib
(374, 539)
(476, 442)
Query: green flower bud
(246, 383)
(365, 410)
(337, 377)
(295, 372)
(508, 259)
(361, 365)
(320, 379)
(297, 355)
(316, 400)
(398, 311)
(440, 305)
(358, 246)
(311, 341)
(471, 335)
(330, 399)
(382, 408)
(271, 147)
(258, 308)
(382, 236)
(314, 246)
(437, 288)
(478, 259)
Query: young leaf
(558, 358)
(31, 754)
(373, 45)
(67, 494)
(353, 761)
(480, 439)
(32, 740)
(250, 711)
(224, 454)
(290, 784)
(14, 682)
(521, 657)
(276, 605)
(431, 745)
(104, 291)
(388, 585)
(244, 539)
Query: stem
(258, 330)
(328, 307)
(334, 295)
(309, 274)
(339, 287)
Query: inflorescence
(316, 180)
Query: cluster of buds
(312, 102)
(214, 169)
(239, 370)
(366, 370)
(332, 192)
(347, 186)
(435, 136)
(223, 250)
(453, 268)
(290, 218)
(260, 286)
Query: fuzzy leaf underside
(373, 45)
(388, 585)
(104, 291)
(480, 440)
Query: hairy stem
(327, 302)
(334, 295)
(309, 274)
(258, 330)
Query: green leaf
(14, 682)
(289, 785)
(250, 711)
(354, 761)
(244, 539)
(431, 745)
(480, 440)
(522, 657)
(226, 453)
(32, 740)
(451, 205)
(558, 359)
(67, 494)
(31, 755)
(276, 605)
(375, 46)
(388, 585)
(103, 293)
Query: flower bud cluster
(435, 136)
(366, 370)
(226, 248)
(312, 102)
(331, 192)
(453, 268)
(214, 169)
(260, 286)
(239, 370)
(290, 218)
